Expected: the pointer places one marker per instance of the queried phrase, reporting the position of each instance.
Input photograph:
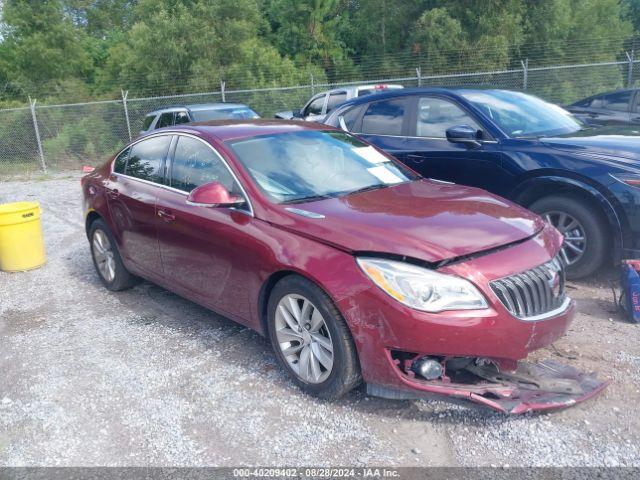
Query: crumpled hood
(424, 219)
(622, 143)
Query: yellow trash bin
(21, 241)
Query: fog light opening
(428, 368)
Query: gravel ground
(143, 377)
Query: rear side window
(181, 117)
(336, 99)
(121, 161)
(146, 158)
(195, 163)
(166, 120)
(385, 117)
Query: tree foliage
(80, 49)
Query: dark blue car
(585, 181)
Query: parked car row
(316, 109)
(180, 114)
(354, 246)
(357, 268)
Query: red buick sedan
(355, 268)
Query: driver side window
(195, 163)
(435, 115)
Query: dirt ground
(90, 377)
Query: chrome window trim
(177, 190)
(147, 182)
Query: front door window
(435, 115)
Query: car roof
(237, 129)
(402, 92)
(353, 88)
(198, 107)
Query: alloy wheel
(304, 338)
(104, 255)
(575, 239)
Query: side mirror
(213, 194)
(464, 134)
(297, 113)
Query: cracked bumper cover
(508, 396)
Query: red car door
(204, 250)
(132, 194)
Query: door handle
(113, 194)
(166, 216)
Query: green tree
(177, 47)
(41, 47)
(309, 30)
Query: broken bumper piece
(547, 385)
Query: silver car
(322, 103)
(176, 115)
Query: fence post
(313, 86)
(419, 76)
(32, 105)
(126, 110)
(222, 85)
(525, 73)
(630, 69)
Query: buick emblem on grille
(533, 293)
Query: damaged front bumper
(547, 385)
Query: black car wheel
(311, 339)
(584, 228)
(107, 260)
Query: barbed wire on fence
(60, 136)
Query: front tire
(107, 260)
(311, 340)
(585, 230)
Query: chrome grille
(532, 294)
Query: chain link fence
(60, 137)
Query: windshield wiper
(309, 198)
(365, 189)
(369, 188)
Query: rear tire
(299, 342)
(575, 219)
(107, 260)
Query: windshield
(521, 115)
(311, 165)
(239, 113)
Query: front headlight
(420, 288)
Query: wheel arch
(91, 217)
(534, 188)
(268, 286)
